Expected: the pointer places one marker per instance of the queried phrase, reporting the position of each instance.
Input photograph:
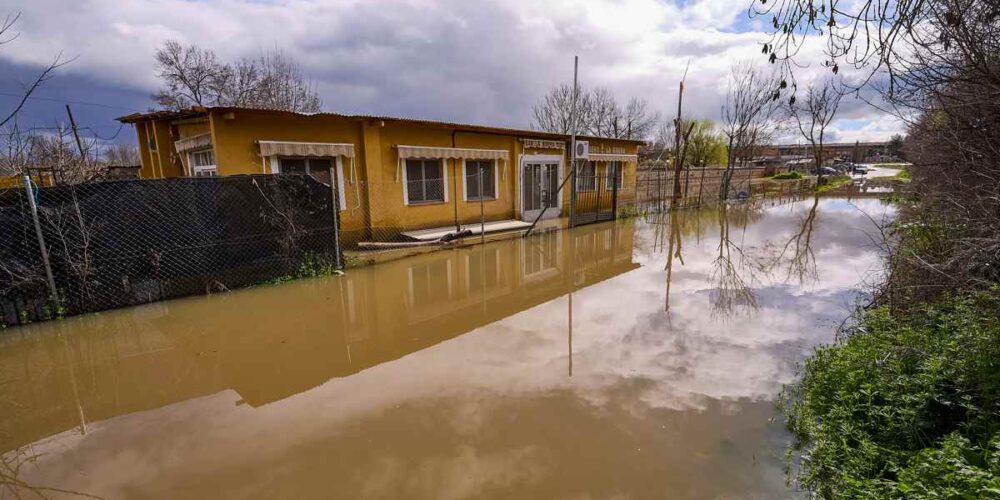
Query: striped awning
(612, 157)
(286, 148)
(430, 152)
(199, 141)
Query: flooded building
(391, 174)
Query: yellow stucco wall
(373, 186)
(148, 171)
(235, 135)
(191, 128)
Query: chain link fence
(79, 248)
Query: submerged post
(335, 205)
(53, 294)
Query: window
(318, 168)
(614, 167)
(202, 163)
(475, 168)
(586, 177)
(424, 181)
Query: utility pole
(76, 134)
(572, 146)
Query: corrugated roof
(189, 112)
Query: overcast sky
(483, 62)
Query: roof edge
(190, 112)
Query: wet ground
(573, 364)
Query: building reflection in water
(273, 342)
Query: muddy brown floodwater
(574, 364)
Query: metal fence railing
(71, 249)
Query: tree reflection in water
(733, 271)
(796, 257)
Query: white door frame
(526, 159)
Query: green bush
(786, 176)
(903, 406)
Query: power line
(65, 101)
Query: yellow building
(392, 174)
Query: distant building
(857, 152)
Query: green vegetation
(907, 405)
(706, 146)
(903, 175)
(833, 182)
(312, 265)
(786, 176)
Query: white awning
(199, 141)
(612, 157)
(286, 148)
(430, 152)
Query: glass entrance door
(539, 189)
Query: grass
(903, 175)
(786, 176)
(833, 182)
(904, 406)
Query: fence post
(53, 294)
(335, 205)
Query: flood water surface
(572, 364)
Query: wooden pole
(76, 134)
(677, 148)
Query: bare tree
(53, 152)
(938, 69)
(121, 155)
(190, 75)
(813, 115)
(193, 75)
(598, 114)
(748, 116)
(553, 112)
(637, 121)
(602, 113)
(7, 36)
(283, 86)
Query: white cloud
(440, 59)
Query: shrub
(786, 176)
(903, 406)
